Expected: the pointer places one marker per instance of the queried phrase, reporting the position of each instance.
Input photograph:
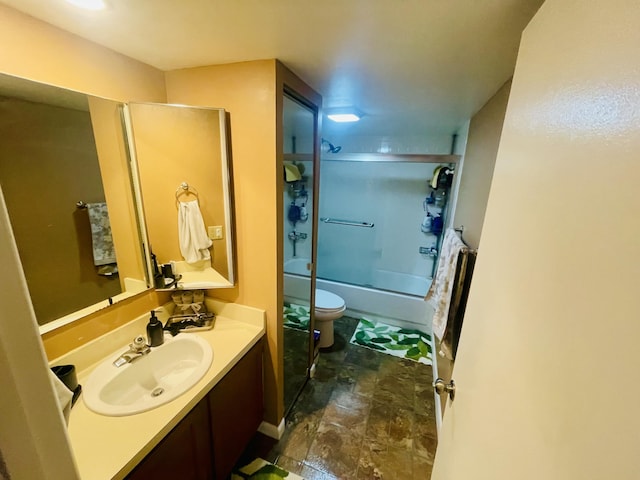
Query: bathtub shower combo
(379, 232)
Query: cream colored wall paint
(555, 285)
(41, 52)
(248, 92)
(479, 161)
(66, 338)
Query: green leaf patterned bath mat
(260, 469)
(296, 316)
(399, 342)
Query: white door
(548, 368)
(33, 433)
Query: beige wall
(174, 145)
(40, 52)
(248, 92)
(64, 339)
(479, 161)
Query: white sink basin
(151, 380)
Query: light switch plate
(215, 232)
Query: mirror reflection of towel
(192, 236)
(104, 252)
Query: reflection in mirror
(66, 184)
(183, 171)
(298, 147)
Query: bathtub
(410, 284)
(392, 308)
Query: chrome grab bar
(351, 223)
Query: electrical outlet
(215, 232)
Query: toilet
(329, 307)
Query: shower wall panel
(389, 195)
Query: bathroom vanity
(210, 439)
(198, 435)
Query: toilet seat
(328, 302)
(328, 307)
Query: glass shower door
(372, 230)
(298, 161)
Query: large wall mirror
(66, 182)
(184, 180)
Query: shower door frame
(289, 84)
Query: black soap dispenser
(155, 334)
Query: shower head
(332, 148)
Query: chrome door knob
(442, 387)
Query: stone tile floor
(365, 415)
(296, 354)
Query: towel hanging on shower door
(439, 294)
(194, 242)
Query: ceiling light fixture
(344, 115)
(89, 4)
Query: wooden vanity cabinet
(235, 406)
(184, 453)
(208, 442)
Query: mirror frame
(227, 190)
(32, 91)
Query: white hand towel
(439, 294)
(194, 242)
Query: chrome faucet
(294, 237)
(136, 350)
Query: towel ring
(186, 188)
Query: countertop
(110, 447)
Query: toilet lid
(328, 301)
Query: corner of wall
(44, 53)
(484, 131)
(248, 92)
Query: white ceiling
(412, 66)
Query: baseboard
(270, 430)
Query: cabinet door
(185, 453)
(236, 410)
